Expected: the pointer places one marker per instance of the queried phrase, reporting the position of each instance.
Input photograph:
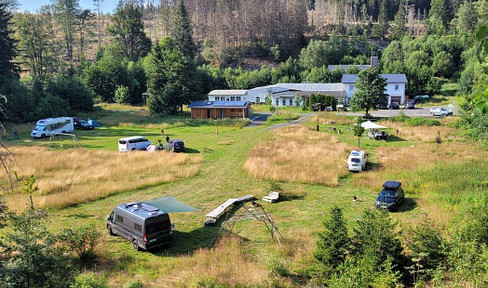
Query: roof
(390, 78)
(344, 67)
(132, 137)
(305, 87)
(219, 104)
(392, 184)
(227, 92)
(141, 210)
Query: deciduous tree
(370, 90)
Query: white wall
(390, 91)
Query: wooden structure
(213, 216)
(220, 109)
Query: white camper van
(133, 143)
(356, 161)
(46, 127)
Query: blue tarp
(170, 204)
(94, 123)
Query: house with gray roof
(395, 87)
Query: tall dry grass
(420, 133)
(75, 176)
(297, 154)
(401, 162)
(226, 263)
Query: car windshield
(83, 122)
(355, 160)
(388, 193)
(39, 128)
(122, 141)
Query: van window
(158, 224)
(355, 160)
(133, 140)
(122, 142)
(143, 140)
(137, 227)
(119, 218)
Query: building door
(208, 114)
(222, 113)
(258, 100)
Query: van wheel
(135, 245)
(43, 135)
(110, 232)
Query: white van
(133, 143)
(46, 127)
(356, 161)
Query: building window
(238, 98)
(119, 218)
(277, 102)
(291, 102)
(351, 87)
(283, 101)
(397, 87)
(258, 100)
(217, 98)
(232, 98)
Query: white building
(284, 94)
(395, 86)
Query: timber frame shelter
(220, 109)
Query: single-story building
(220, 109)
(227, 95)
(395, 86)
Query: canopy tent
(371, 125)
(170, 204)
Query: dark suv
(176, 145)
(391, 196)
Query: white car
(436, 111)
(356, 161)
(133, 143)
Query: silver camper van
(145, 226)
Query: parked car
(394, 105)
(176, 145)
(383, 106)
(144, 225)
(391, 196)
(133, 143)
(410, 104)
(83, 125)
(440, 111)
(356, 161)
(421, 97)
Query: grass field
(438, 178)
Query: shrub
(52, 106)
(81, 240)
(75, 93)
(122, 94)
(89, 281)
(419, 121)
(135, 284)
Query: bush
(419, 121)
(52, 106)
(78, 97)
(89, 281)
(81, 240)
(122, 94)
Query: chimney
(374, 61)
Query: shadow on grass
(370, 166)
(393, 138)
(408, 205)
(191, 151)
(185, 243)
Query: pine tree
(439, 16)
(128, 31)
(333, 243)
(400, 21)
(182, 32)
(381, 28)
(66, 13)
(7, 42)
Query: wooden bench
(272, 197)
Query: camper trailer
(49, 126)
(144, 225)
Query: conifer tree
(333, 243)
(400, 21)
(182, 32)
(7, 43)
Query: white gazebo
(371, 125)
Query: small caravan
(49, 126)
(356, 161)
(142, 224)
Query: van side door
(120, 226)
